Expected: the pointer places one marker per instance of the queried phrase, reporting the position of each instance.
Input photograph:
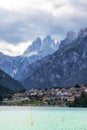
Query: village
(50, 96)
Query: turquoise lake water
(43, 118)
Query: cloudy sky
(21, 21)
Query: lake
(43, 118)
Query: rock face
(34, 48)
(48, 46)
(14, 66)
(8, 83)
(41, 48)
(71, 36)
(66, 67)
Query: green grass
(9, 103)
(28, 103)
(21, 103)
(36, 102)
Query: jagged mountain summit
(34, 48)
(9, 84)
(66, 67)
(48, 46)
(41, 48)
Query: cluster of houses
(50, 95)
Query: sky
(22, 21)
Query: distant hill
(9, 84)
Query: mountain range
(66, 67)
(46, 63)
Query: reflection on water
(42, 118)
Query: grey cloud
(81, 5)
(16, 27)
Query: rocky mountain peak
(82, 33)
(70, 37)
(35, 46)
(47, 42)
(47, 39)
(43, 48)
(48, 45)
